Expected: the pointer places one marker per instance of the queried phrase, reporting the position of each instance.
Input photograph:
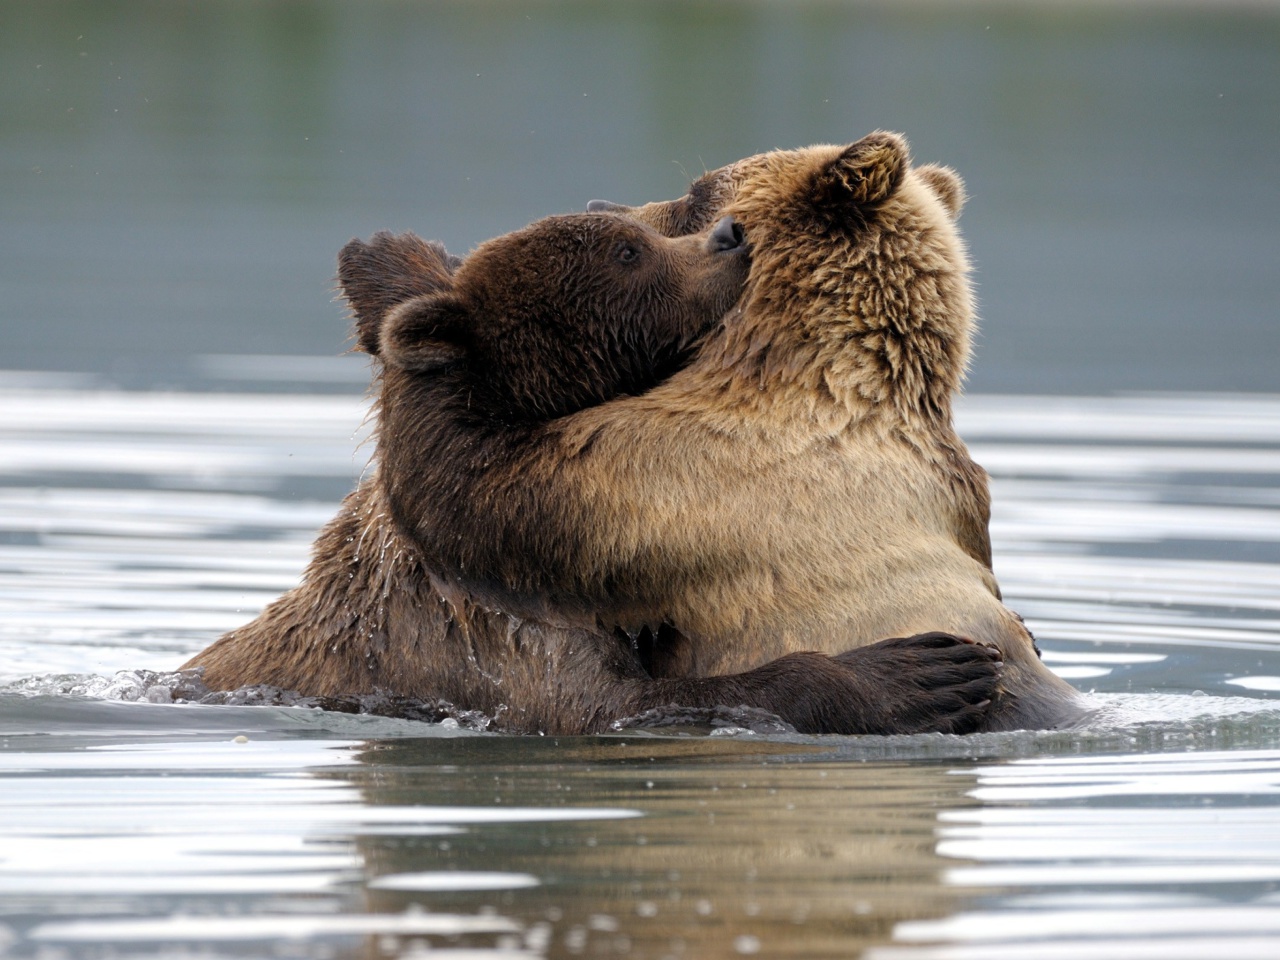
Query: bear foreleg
(930, 683)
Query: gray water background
(175, 180)
(176, 177)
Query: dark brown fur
(475, 360)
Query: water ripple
(1140, 537)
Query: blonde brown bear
(800, 485)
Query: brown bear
(799, 486)
(484, 356)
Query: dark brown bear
(477, 359)
(799, 486)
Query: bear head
(859, 281)
(567, 313)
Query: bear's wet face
(570, 312)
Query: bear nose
(727, 235)
(604, 206)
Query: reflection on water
(609, 847)
(1126, 856)
(1138, 535)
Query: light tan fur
(800, 486)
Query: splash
(187, 686)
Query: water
(177, 177)
(1139, 535)
(175, 180)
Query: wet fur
(381, 609)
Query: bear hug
(799, 486)
(621, 465)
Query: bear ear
(946, 183)
(865, 172)
(425, 333)
(386, 271)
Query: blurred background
(176, 177)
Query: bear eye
(627, 252)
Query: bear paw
(928, 683)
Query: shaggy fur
(477, 359)
(799, 486)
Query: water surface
(175, 180)
(1139, 535)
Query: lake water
(1139, 535)
(176, 178)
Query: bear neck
(437, 456)
(413, 447)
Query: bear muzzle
(727, 236)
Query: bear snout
(605, 206)
(728, 235)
